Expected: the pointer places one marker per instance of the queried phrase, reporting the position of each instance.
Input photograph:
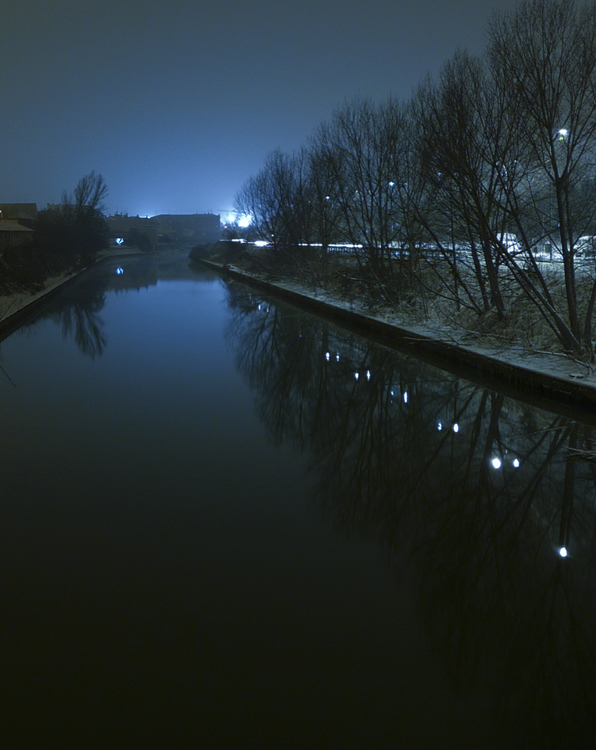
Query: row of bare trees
(484, 175)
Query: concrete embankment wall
(551, 391)
(28, 309)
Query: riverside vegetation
(67, 238)
(471, 205)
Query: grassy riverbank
(509, 355)
(26, 294)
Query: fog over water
(227, 522)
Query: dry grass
(421, 298)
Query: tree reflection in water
(476, 492)
(80, 319)
(77, 308)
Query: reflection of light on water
(496, 463)
(563, 552)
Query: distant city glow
(563, 552)
(261, 243)
(496, 463)
(244, 221)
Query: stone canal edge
(549, 381)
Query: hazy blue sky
(177, 103)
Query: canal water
(227, 523)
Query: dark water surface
(226, 523)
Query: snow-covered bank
(15, 308)
(542, 377)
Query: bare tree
(543, 60)
(268, 198)
(360, 149)
(90, 193)
(464, 140)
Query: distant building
(23, 213)
(13, 234)
(133, 230)
(186, 230)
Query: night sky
(177, 103)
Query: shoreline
(551, 381)
(16, 309)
